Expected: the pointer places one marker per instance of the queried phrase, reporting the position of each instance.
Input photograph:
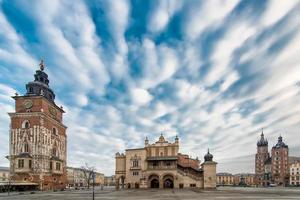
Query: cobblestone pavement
(110, 194)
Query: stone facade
(160, 165)
(76, 177)
(242, 179)
(109, 180)
(295, 172)
(225, 179)
(38, 142)
(4, 174)
(99, 179)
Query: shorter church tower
(261, 157)
(280, 167)
(38, 141)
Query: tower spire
(42, 65)
(40, 85)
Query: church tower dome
(40, 85)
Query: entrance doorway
(137, 185)
(154, 183)
(168, 183)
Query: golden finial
(42, 65)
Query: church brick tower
(280, 165)
(261, 157)
(38, 141)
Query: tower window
(54, 131)
(25, 124)
(20, 163)
(135, 163)
(54, 152)
(26, 148)
(135, 173)
(58, 166)
(30, 164)
(30, 90)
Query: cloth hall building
(160, 165)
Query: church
(37, 138)
(274, 168)
(160, 165)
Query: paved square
(220, 193)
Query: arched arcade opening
(153, 181)
(168, 181)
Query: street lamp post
(93, 185)
(9, 184)
(9, 175)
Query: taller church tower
(261, 157)
(38, 142)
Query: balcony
(23, 170)
(161, 167)
(54, 171)
(135, 168)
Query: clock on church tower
(38, 142)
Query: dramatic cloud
(212, 72)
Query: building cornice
(38, 97)
(37, 114)
(135, 149)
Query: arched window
(25, 124)
(135, 163)
(54, 131)
(54, 151)
(30, 90)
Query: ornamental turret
(208, 157)
(176, 140)
(146, 141)
(161, 138)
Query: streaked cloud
(212, 72)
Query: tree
(88, 172)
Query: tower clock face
(52, 111)
(27, 104)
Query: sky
(212, 72)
